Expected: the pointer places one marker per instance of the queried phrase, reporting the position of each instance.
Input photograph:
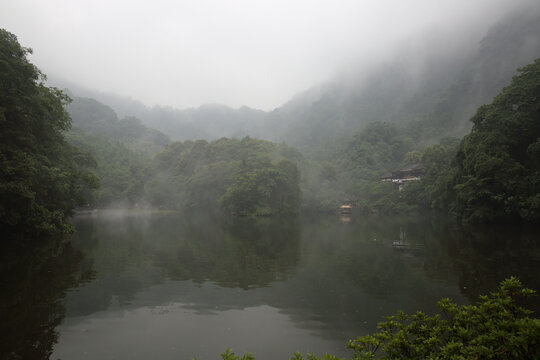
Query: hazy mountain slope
(510, 44)
(435, 82)
(404, 87)
(121, 148)
(209, 122)
(91, 117)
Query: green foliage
(243, 177)
(412, 157)
(437, 160)
(42, 178)
(229, 355)
(120, 170)
(376, 196)
(298, 356)
(377, 148)
(264, 190)
(497, 171)
(494, 174)
(328, 172)
(497, 327)
(351, 171)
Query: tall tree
(42, 178)
(498, 172)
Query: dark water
(165, 286)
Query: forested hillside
(209, 122)
(119, 170)
(137, 168)
(496, 173)
(122, 149)
(92, 117)
(492, 175)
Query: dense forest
(495, 175)
(42, 177)
(244, 177)
(140, 167)
(55, 151)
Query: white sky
(257, 53)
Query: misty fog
(257, 54)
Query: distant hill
(91, 117)
(209, 121)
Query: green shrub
(496, 328)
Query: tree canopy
(42, 177)
(243, 177)
(497, 168)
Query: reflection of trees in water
(482, 256)
(120, 249)
(340, 280)
(243, 252)
(35, 279)
(349, 276)
(488, 254)
(352, 277)
(130, 253)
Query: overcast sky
(258, 53)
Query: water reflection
(485, 255)
(140, 251)
(35, 278)
(271, 286)
(244, 252)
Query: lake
(140, 285)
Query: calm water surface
(137, 285)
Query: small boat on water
(345, 209)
